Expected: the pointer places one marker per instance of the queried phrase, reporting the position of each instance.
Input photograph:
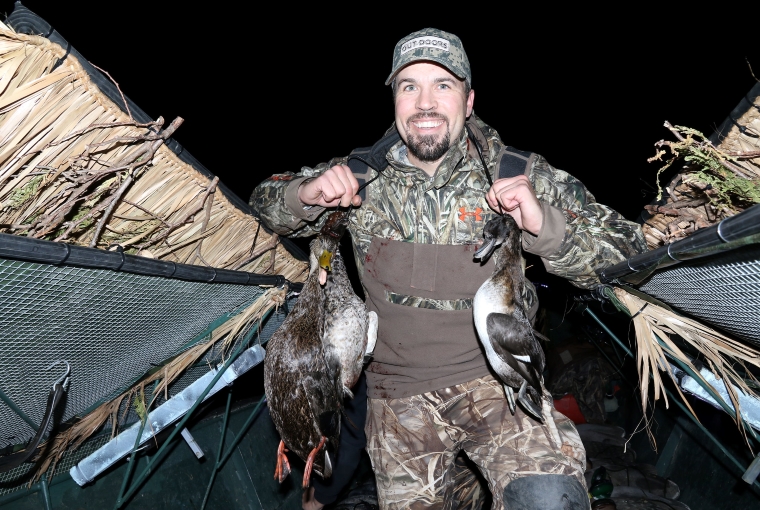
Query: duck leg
(510, 398)
(527, 403)
(283, 466)
(310, 462)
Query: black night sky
(272, 90)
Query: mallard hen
(316, 356)
(500, 319)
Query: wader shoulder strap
(513, 162)
(510, 162)
(363, 160)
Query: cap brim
(439, 61)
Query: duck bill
(486, 250)
(325, 260)
(325, 266)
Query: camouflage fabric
(413, 443)
(436, 304)
(529, 298)
(405, 204)
(433, 45)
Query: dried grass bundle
(73, 437)
(75, 168)
(654, 325)
(716, 182)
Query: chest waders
(538, 492)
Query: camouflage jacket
(578, 236)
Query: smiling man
(416, 226)
(431, 103)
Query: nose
(425, 100)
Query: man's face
(431, 109)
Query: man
(430, 391)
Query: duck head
(324, 247)
(498, 231)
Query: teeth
(428, 124)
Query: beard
(428, 148)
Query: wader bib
(422, 349)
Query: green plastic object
(601, 485)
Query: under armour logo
(463, 214)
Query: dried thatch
(75, 168)
(654, 327)
(716, 182)
(73, 437)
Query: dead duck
(501, 321)
(350, 331)
(315, 357)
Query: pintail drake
(501, 320)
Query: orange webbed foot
(310, 462)
(283, 466)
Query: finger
(350, 179)
(491, 198)
(508, 199)
(349, 184)
(334, 189)
(328, 194)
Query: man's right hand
(336, 186)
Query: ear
(470, 102)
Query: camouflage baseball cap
(433, 45)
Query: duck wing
(513, 342)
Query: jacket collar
(398, 158)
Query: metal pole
(729, 410)
(620, 358)
(219, 451)
(162, 451)
(674, 399)
(5, 398)
(609, 360)
(243, 430)
(46, 492)
(132, 463)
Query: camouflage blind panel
(722, 290)
(112, 327)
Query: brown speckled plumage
(309, 362)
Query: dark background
(271, 89)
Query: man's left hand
(517, 198)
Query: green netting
(111, 327)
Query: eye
(443, 86)
(408, 88)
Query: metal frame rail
(56, 253)
(127, 490)
(750, 473)
(155, 460)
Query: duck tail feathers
(527, 402)
(327, 473)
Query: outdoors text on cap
(429, 42)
